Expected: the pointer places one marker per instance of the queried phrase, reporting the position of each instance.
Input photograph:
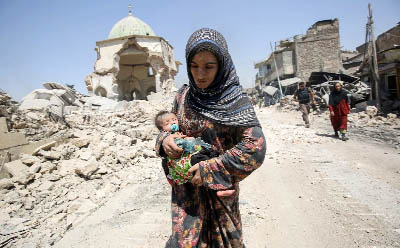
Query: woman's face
(204, 67)
(338, 87)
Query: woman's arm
(236, 163)
(165, 145)
(159, 141)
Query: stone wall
(319, 50)
(284, 62)
(388, 39)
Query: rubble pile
(358, 92)
(37, 124)
(54, 188)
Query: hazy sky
(54, 40)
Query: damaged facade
(132, 63)
(318, 54)
(317, 50)
(388, 58)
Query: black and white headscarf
(224, 100)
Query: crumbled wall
(110, 76)
(387, 39)
(318, 50)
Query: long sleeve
(158, 148)
(162, 135)
(236, 163)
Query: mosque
(132, 62)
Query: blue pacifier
(174, 128)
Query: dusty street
(312, 191)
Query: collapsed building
(132, 62)
(295, 59)
(298, 57)
(316, 58)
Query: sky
(53, 40)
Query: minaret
(130, 9)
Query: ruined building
(132, 62)
(388, 59)
(317, 50)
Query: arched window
(100, 91)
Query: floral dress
(199, 217)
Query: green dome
(130, 25)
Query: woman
(213, 107)
(339, 109)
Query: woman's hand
(195, 171)
(332, 113)
(198, 181)
(170, 148)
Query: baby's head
(164, 120)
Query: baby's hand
(225, 193)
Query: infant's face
(168, 121)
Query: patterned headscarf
(224, 100)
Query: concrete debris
(358, 92)
(87, 169)
(44, 147)
(29, 159)
(6, 183)
(106, 146)
(15, 168)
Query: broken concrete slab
(29, 159)
(15, 168)
(80, 142)
(8, 140)
(25, 178)
(50, 155)
(87, 169)
(41, 98)
(44, 147)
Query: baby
(195, 150)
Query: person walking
(339, 108)
(214, 107)
(303, 95)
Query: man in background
(303, 96)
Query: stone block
(80, 142)
(87, 169)
(15, 168)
